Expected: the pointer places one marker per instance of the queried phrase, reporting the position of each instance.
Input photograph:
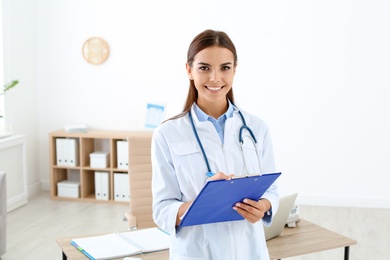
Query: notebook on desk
(118, 245)
(285, 205)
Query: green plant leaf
(9, 85)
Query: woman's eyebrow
(206, 64)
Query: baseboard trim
(45, 186)
(34, 189)
(16, 202)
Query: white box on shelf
(99, 159)
(69, 189)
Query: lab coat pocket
(185, 147)
(187, 157)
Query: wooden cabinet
(138, 145)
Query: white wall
(315, 71)
(21, 103)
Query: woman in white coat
(179, 167)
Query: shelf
(135, 153)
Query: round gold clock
(95, 50)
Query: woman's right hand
(221, 176)
(183, 208)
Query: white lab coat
(179, 175)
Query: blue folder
(216, 200)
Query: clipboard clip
(245, 176)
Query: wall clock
(95, 50)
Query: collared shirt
(219, 123)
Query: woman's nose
(215, 76)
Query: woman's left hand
(252, 210)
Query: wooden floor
(32, 229)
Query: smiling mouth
(214, 88)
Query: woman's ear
(189, 69)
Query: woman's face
(213, 72)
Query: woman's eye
(225, 68)
(203, 68)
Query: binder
(101, 186)
(121, 187)
(117, 187)
(60, 151)
(125, 187)
(67, 152)
(98, 186)
(122, 154)
(72, 152)
(105, 185)
(216, 199)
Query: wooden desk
(304, 239)
(307, 238)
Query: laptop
(286, 204)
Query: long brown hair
(205, 39)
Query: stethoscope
(240, 139)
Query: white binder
(122, 154)
(125, 187)
(60, 150)
(121, 187)
(105, 186)
(72, 154)
(102, 185)
(67, 152)
(117, 187)
(98, 186)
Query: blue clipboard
(216, 199)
